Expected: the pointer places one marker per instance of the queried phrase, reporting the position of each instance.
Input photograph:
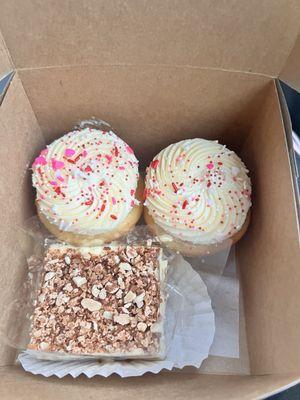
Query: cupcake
(197, 196)
(88, 187)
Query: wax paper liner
(190, 345)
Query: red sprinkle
(89, 202)
(57, 190)
(70, 161)
(88, 169)
(77, 158)
(112, 216)
(132, 192)
(184, 204)
(102, 207)
(116, 151)
(208, 184)
(174, 187)
(154, 164)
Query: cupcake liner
(189, 345)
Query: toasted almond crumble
(99, 303)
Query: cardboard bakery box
(160, 72)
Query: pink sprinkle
(69, 152)
(57, 164)
(132, 203)
(109, 158)
(44, 152)
(39, 161)
(114, 201)
(210, 165)
(129, 150)
(53, 183)
(146, 193)
(60, 178)
(84, 153)
(121, 168)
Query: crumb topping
(99, 303)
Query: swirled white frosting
(198, 191)
(86, 181)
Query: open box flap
(152, 122)
(19, 133)
(291, 71)
(270, 265)
(254, 36)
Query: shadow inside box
(293, 101)
(290, 394)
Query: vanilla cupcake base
(191, 249)
(107, 237)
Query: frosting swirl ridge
(86, 181)
(198, 191)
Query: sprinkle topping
(198, 191)
(86, 181)
(69, 152)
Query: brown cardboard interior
(20, 136)
(254, 36)
(151, 107)
(270, 268)
(100, 60)
(16, 385)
